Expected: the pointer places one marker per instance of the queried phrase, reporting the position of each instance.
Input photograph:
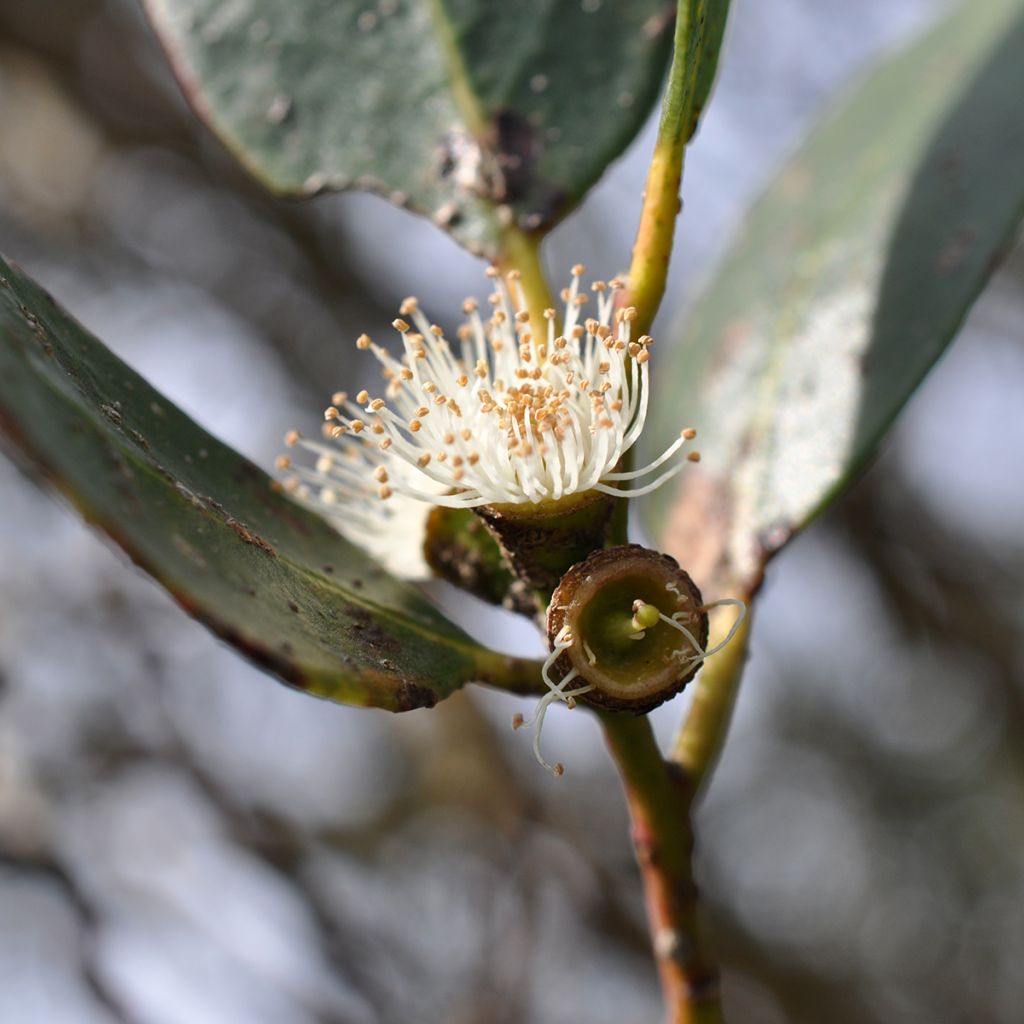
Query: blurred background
(184, 841)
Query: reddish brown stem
(660, 800)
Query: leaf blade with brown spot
(851, 275)
(454, 107)
(209, 526)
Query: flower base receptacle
(542, 540)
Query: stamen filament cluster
(556, 692)
(512, 412)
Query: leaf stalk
(652, 248)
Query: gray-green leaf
(472, 112)
(851, 275)
(264, 574)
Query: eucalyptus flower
(512, 413)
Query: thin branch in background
(45, 867)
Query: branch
(698, 36)
(659, 798)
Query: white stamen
(520, 415)
(700, 654)
(556, 692)
(694, 642)
(724, 602)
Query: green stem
(661, 793)
(699, 741)
(660, 798)
(652, 249)
(513, 675)
(618, 532)
(520, 251)
(517, 250)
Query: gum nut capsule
(638, 624)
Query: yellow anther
(644, 615)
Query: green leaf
(713, 15)
(469, 111)
(264, 574)
(851, 275)
(700, 28)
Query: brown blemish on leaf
(409, 696)
(698, 529)
(369, 631)
(36, 326)
(501, 167)
(208, 504)
(247, 535)
(517, 147)
(470, 169)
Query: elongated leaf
(708, 18)
(851, 275)
(454, 107)
(266, 575)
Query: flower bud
(630, 625)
